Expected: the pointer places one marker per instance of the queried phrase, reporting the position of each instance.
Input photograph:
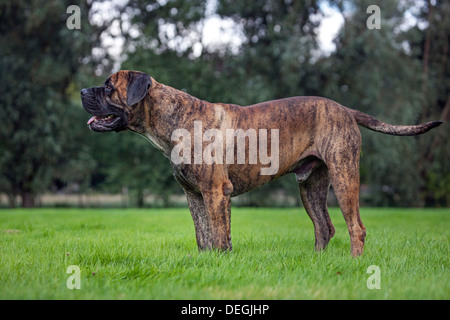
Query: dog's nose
(83, 92)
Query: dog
(315, 138)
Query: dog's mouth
(105, 116)
(104, 123)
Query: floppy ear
(138, 85)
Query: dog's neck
(163, 110)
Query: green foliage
(371, 71)
(39, 58)
(276, 58)
(132, 165)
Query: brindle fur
(319, 141)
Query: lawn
(152, 254)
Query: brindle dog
(319, 141)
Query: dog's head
(113, 103)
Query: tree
(372, 71)
(40, 58)
(430, 46)
(276, 59)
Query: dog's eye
(108, 89)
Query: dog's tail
(371, 123)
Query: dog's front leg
(201, 222)
(218, 208)
(211, 212)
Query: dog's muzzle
(106, 117)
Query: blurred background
(230, 51)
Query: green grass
(152, 254)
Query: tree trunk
(28, 199)
(12, 200)
(140, 198)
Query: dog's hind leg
(347, 194)
(344, 176)
(314, 192)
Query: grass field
(152, 254)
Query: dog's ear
(138, 85)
